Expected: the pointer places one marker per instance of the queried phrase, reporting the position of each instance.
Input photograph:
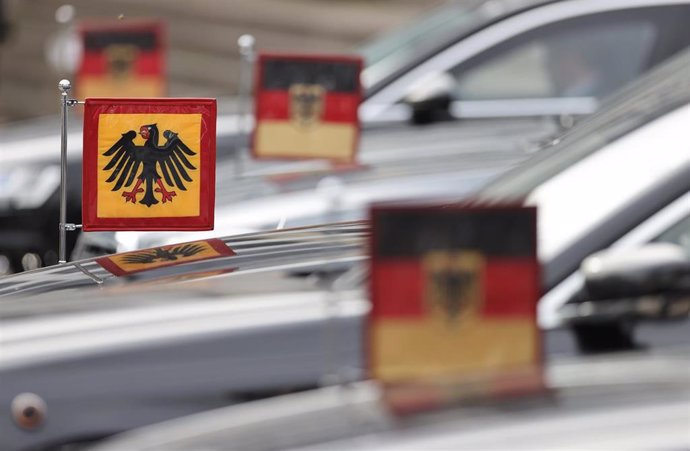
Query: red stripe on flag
(511, 287)
(146, 63)
(397, 288)
(341, 107)
(93, 63)
(273, 105)
(338, 107)
(149, 63)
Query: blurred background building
(202, 58)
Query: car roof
(275, 249)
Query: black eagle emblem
(306, 103)
(127, 159)
(163, 255)
(453, 290)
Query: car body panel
(593, 402)
(187, 337)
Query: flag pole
(64, 227)
(331, 189)
(64, 86)
(246, 46)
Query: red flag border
(258, 81)
(207, 184)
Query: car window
(678, 234)
(403, 42)
(394, 51)
(577, 59)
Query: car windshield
(394, 51)
(663, 91)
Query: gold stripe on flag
(284, 139)
(412, 348)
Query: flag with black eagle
(149, 164)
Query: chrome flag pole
(64, 86)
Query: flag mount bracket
(64, 86)
(69, 227)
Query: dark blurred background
(202, 35)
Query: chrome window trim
(553, 106)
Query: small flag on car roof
(128, 263)
(149, 164)
(122, 59)
(306, 107)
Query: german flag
(122, 60)
(128, 263)
(306, 107)
(454, 292)
(149, 164)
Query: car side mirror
(656, 268)
(430, 99)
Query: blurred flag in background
(122, 60)
(306, 107)
(454, 292)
